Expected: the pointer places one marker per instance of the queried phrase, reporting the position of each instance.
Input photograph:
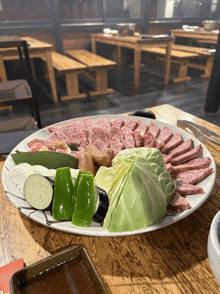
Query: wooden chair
(22, 90)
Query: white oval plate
(46, 219)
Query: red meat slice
(118, 122)
(87, 122)
(188, 189)
(114, 131)
(48, 142)
(169, 167)
(154, 130)
(149, 141)
(187, 156)
(165, 135)
(142, 127)
(178, 203)
(159, 145)
(103, 122)
(128, 140)
(194, 176)
(95, 133)
(138, 139)
(182, 148)
(76, 138)
(174, 142)
(131, 124)
(52, 129)
(192, 164)
(101, 145)
(116, 145)
(167, 158)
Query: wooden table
(37, 49)
(196, 34)
(170, 260)
(135, 43)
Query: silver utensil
(199, 131)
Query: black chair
(23, 90)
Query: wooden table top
(169, 260)
(136, 39)
(197, 34)
(34, 44)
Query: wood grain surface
(169, 260)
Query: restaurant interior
(68, 25)
(113, 203)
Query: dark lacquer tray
(69, 271)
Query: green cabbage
(139, 189)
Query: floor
(189, 96)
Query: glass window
(12, 10)
(123, 9)
(80, 9)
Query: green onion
(49, 159)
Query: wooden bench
(180, 60)
(64, 65)
(97, 68)
(202, 53)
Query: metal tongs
(199, 131)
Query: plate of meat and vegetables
(109, 175)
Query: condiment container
(69, 271)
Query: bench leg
(101, 81)
(72, 86)
(208, 68)
(182, 74)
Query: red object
(6, 272)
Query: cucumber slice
(48, 159)
(38, 192)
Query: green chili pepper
(84, 204)
(63, 201)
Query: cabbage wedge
(139, 189)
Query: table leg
(51, 75)
(119, 56)
(93, 46)
(3, 74)
(168, 62)
(137, 67)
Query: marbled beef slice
(187, 156)
(116, 144)
(118, 122)
(194, 176)
(149, 141)
(182, 148)
(165, 135)
(142, 127)
(192, 164)
(178, 203)
(188, 189)
(174, 142)
(130, 123)
(138, 139)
